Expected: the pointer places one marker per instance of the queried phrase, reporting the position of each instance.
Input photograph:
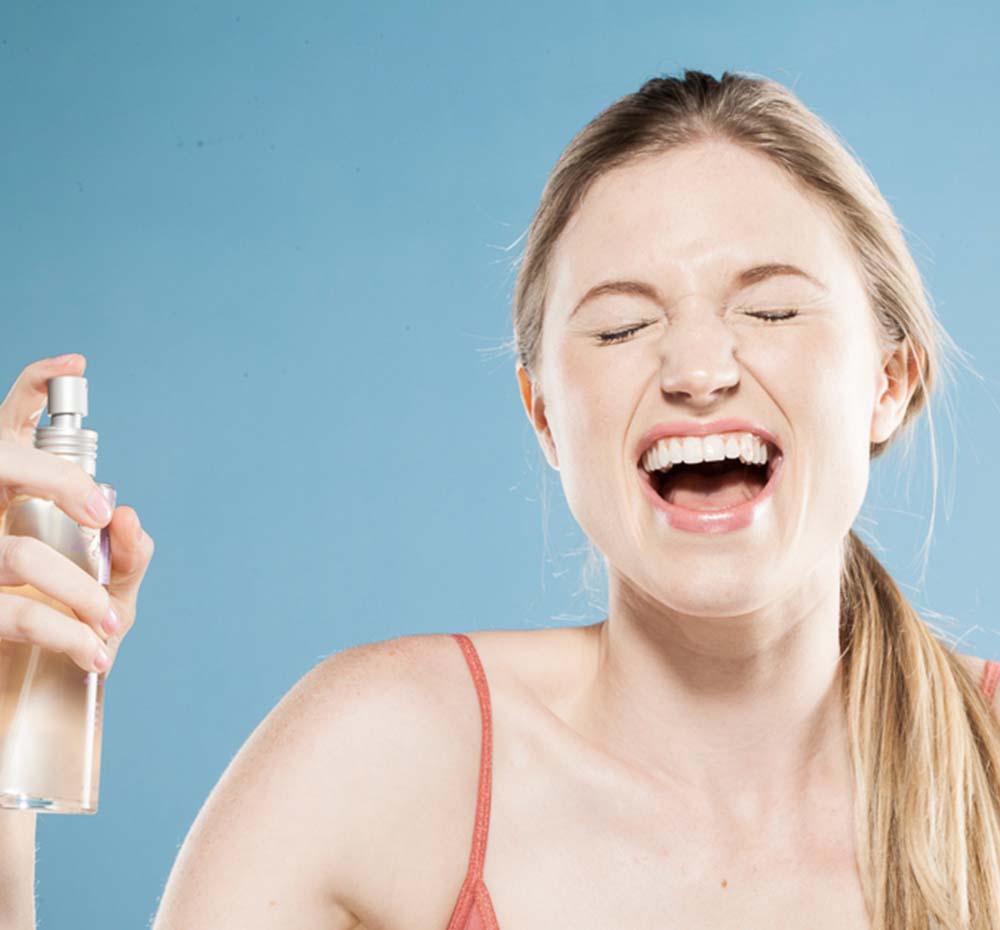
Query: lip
(694, 428)
(714, 521)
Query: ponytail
(925, 749)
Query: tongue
(696, 491)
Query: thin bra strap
(991, 675)
(482, 824)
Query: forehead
(690, 219)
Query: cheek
(829, 409)
(595, 414)
(592, 441)
(596, 401)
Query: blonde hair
(925, 745)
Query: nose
(698, 359)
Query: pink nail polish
(111, 621)
(98, 505)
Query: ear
(898, 380)
(534, 407)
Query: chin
(704, 590)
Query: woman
(762, 732)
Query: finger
(26, 620)
(24, 403)
(37, 473)
(131, 552)
(26, 560)
(111, 645)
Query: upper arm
(287, 836)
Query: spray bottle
(50, 708)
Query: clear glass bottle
(50, 708)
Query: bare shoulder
(384, 678)
(544, 664)
(405, 711)
(977, 667)
(365, 770)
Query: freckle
(273, 903)
(724, 883)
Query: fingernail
(111, 621)
(59, 359)
(138, 532)
(102, 660)
(98, 507)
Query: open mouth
(715, 485)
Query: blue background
(284, 240)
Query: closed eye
(781, 315)
(621, 334)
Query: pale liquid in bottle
(50, 721)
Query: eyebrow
(743, 279)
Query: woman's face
(685, 225)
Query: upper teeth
(666, 452)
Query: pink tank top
(474, 910)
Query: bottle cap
(67, 394)
(65, 435)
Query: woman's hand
(25, 560)
(107, 613)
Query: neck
(740, 713)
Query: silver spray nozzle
(67, 400)
(65, 435)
